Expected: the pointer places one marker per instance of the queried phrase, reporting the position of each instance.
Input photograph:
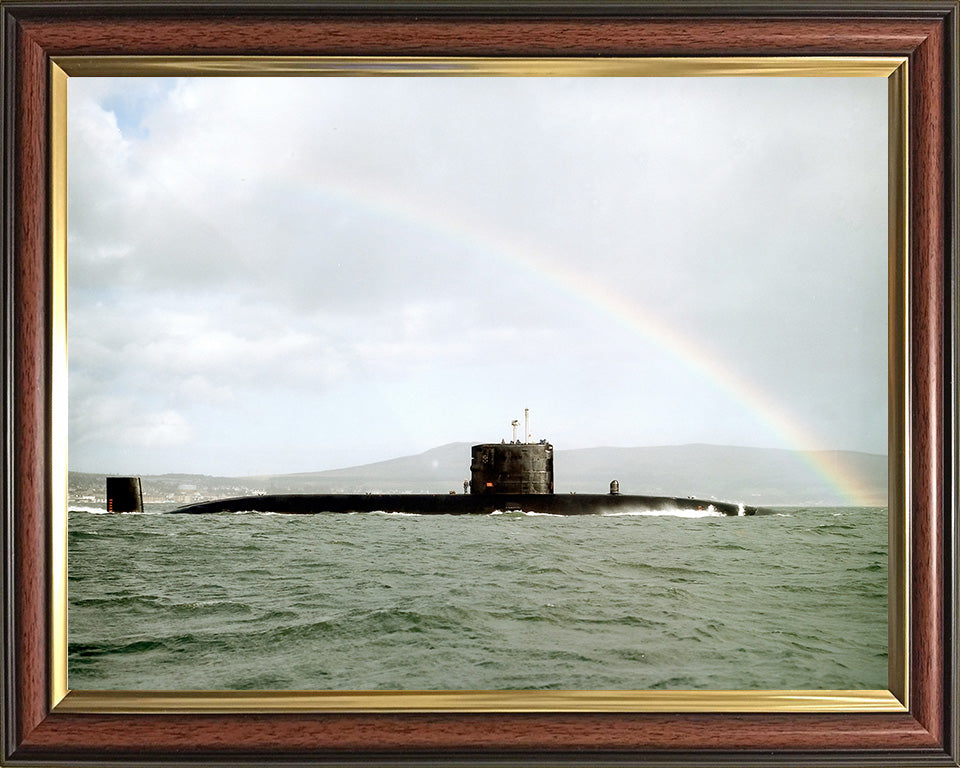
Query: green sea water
(795, 600)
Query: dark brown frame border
(925, 32)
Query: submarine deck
(461, 504)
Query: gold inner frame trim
(58, 376)
(374, 66)
(132, 702)
(786, 701)
(898, 387)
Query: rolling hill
(752, 475)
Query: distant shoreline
(755, 476)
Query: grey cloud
(251, 236)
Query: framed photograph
(382, 223)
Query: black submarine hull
(464, 504)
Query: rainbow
(583, 288)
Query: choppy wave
(102, 511)
(795, 600)
(710, 511)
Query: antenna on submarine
(526, 425)
(514, 424)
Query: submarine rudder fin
(124, 494)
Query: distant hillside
(438, 470)
(751, 475)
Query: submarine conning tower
(497, 468)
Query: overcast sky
(280, 275)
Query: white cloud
(235, 238)
(200, 389)
(120, 421)
(164, 429)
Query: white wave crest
(102, 511)
(710, 511)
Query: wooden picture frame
(38, 732)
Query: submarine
(515, 476)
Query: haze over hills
(752, 475)
(760, 476)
